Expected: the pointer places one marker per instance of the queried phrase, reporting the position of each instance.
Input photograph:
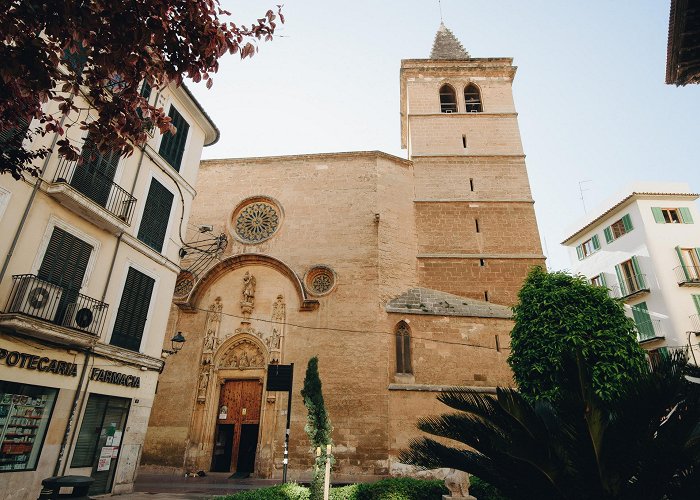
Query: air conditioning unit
(37, 298)
(85, 318)
(448, 111)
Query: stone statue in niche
(213, 322)
(273, 342)
(203, 383)
(243, 355)
(248, 288)
(278, 309)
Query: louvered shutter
(627, 223)
(579, 251)
(13, 137)
(94, 176)
(621, 280)
(658, 215)
(603, 281)
(156, 214)
(172, 146)
(596, 242)
(133, 310)
(608, 234)
(683, 265)
(65, 260)
(86, 445)
(643, 321)
(696, 301)
(685, 215)
(638, 273)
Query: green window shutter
(696, 300)
(603, 281)
(579, 251)
(658, 215)
(638, 272)
(172, 146)
(683, 266)
(627, 223)
(156, 214)
(86, 445)
(608, 234)
(133, 310)
(643, 321)
(620, 279)
(596, 242)
(685, 215)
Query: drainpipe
(37, 184)
(71, 417)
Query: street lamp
(176, 343)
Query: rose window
(256, 222)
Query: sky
(589, 90)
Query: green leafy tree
(318, 425)
(101, 50)
(558, 312)
(643, 446)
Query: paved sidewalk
(165, 486)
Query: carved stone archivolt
(243, 354)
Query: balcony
(630, 287)
(695, 324)
(37, 299)
(649, 331)
(92, 195)
(687, 275)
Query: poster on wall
(105, 459)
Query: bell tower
(477, 232)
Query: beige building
(398, 273)
(89, 257)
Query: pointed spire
(446, 45)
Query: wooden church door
(238, 421)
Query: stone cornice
(513, 114)
(439, 388)
(128, 357)
(307, 156)
(468, 200)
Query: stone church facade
(397, 273)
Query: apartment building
(89, 255)
(645, 248)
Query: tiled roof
(435, 302)
(446, 45)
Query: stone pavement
(150, 486)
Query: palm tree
(646, 445)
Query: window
(672, 215)
(172, 146)
(588, 247)
(94, 176)
(630, 277)
(448, 99)
(690, 264)
(403, 348)
(598, 280)
(645, 327)
(656, 355)
(133, 310)
(25, 412)
(472, 99)
(618, 228)
(103, 425)
(156, 214)
(76, 60)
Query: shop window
(25, 412)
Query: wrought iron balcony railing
(649, 330)
(99, 188)
(40, 299)
(637, 283)
(687, 275)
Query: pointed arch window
(472, 99)
(403, 348)
(448, 99)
